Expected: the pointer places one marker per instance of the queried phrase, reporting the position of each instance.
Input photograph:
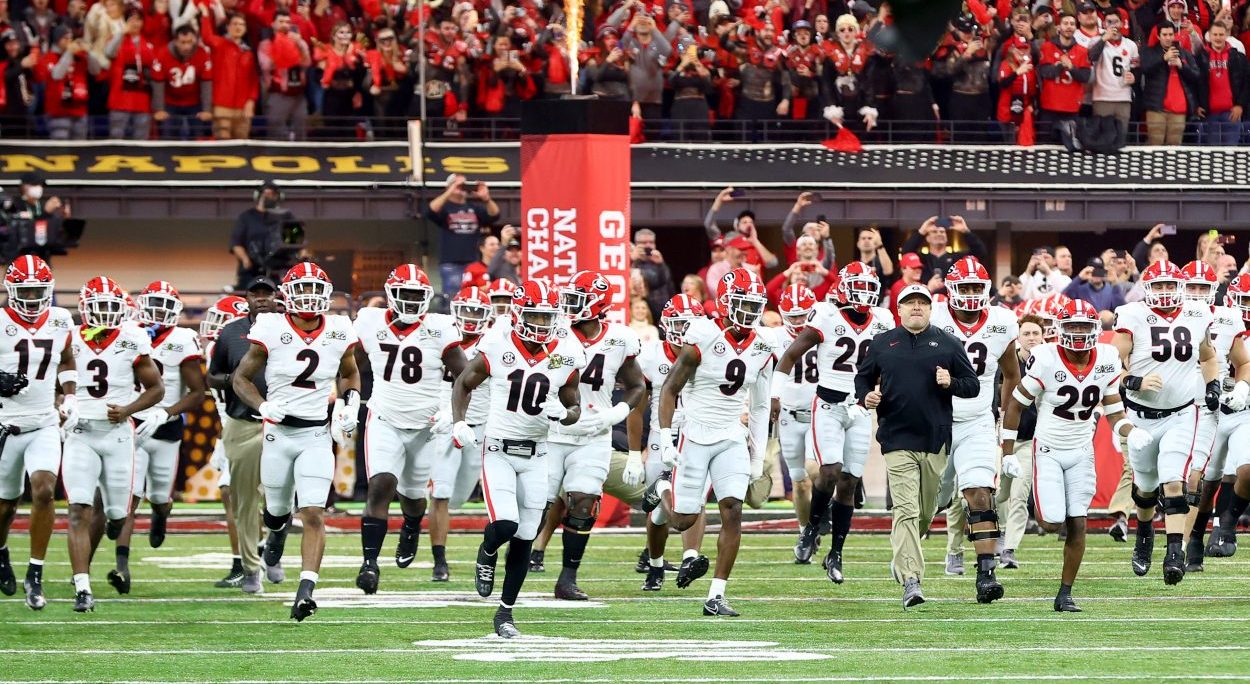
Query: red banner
(575, 207)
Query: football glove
(1139, 439)
(440, 422)
(1011, 466)
(634, 473)
(271, 411)
(668, 452)
(554, 410)
(152, 419)
(462, 435)
(69, 410)
(1239, 397)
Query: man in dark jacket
(1222, 88)
(1168, 95)
(919, 368)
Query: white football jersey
(34, 350)
(521, 383)
(479, 398)
(169, 350)
(1067, 397)
(605, 354)
(985, 341)
(800, 387)
(656, 361)
(106, 368)
(302, 366)
(407, 364)
(843, 344)
(717, 393)
(1167, 346)
(1225, 327)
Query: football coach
(918, 368)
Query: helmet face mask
(307, 297)
(676, 317)
(472, 316)
(1201, 292)
(501, 305)
(536, 325)
(675, 328)
(795, 322)
(745, 310)
(971, 295)
(1077, 335)
(573, 303)
(159, 309)
(103, 310)
(1163, 293)
(29, 299)
(408, 301)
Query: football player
(841, 431)
(409, 351)
(35, 352)
(1165, 347)
(723, 362)
(116, 358)
(456, 474)
(215, 318)
(306, 354)
(500, 294)
(1068, 380)
(1230, 454)
(533, 378)
(988, 334)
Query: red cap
(910, 260)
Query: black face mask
(269, 203)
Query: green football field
(795, 624)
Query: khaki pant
(1122, 500)
(914, 479)
(242, 440)
(956, 522)
(229, 123)
(1163, 128)
(1013, 498)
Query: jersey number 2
(304, 379)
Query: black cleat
(406, 549)
(504, 626)
(275, 544)
(718, 606)
(807, 545)
(34, 592)
(536, 561)
(569, 591)
(989, 589)
(1174, 564)
(643, 566)
(8, 582)
(691, 569)
(84, 602)
(1119, 530)
(1194, 554)
(1143, 550)
(833, 566)
(367, 578)
(234, 580)
(651, 498)
(120, 579)
(156, 533)
(441, 572)
(113, 528)
(1065, 604)
(654, 581)
(304, 606)
(485, 577)
(1226, 547)
(1213, 549)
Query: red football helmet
(159, 304)
(742, 296)
(1163, 283)
(968, 285)
(858, 286)
(102, 303)
(797, 305)
(676, 317)
(535, 312)
(306, 290)
(1200, 282)
(408, 293)
(1037, 307)
(586, 296)
(218, 315)
(29, 283)
(1078, 325)
(1238, 296)
(472, 310)
(500, 293)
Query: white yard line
(1144, 676)
(692, 597)
(423, 650)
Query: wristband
(67, 376)
(1112, 409)
(1019, 395)
(1121, 423)
(1132, 382)
(1008, 435)
(350, 395)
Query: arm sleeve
(830, 255)
(709, 225)
(787, 229)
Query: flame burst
(572, 38)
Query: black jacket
(232, 345)
(1237, 68)
(1155, 71)
(915, 413)
(915, 242)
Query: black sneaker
(651, 498)
(1143, 550)
(833, 566)
(34, 592)
(718, 606)
(1065, 604)
(8, 581)
(441, 572)
(567, 590)
(233, 580)
(304, 606)
(504, 626)
(655, 579)
(536, 561)
(691, 570)
(989, 589)
(1194, 554)
(406, 549)
(156, 531)
(1119, 530)
(1174, 564)
(113, 528)
(367, 578)
(84, 602)
(807, 545)
(485, 578)
(120, 579)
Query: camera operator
(266, 239)
(31, 223)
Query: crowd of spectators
(188, 69)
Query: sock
(717, 587)
(1145, 529)
(1237, 506)
(1223, 498)
(574, 548)
(440, 553)
(82, 582)
(412, 523)
(34, 571)
(689, 553)
(986, 562)
(1200, 525)
(1065, 589)
(841, 523)
(516, 567)
(505, 608)
(123, 558)
(276, 523)
(820, 506)
(493, 538)
(308, 576)
(372, 535)
(657, 562)
(236, 564)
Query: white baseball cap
(915, 290)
